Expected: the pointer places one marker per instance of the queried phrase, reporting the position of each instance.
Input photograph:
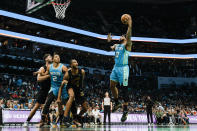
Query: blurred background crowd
(172, 104)
(18, 86)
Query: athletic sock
(125, 109)
(116, 101)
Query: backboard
(34, 5)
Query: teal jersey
(56, 76)
(121, 55)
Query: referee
(149, 106)
(107, 107)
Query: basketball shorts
(56, 90)
(79, 97)
(42, 95)
(120, 75)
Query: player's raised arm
(109, 37)
(83, 77)
(128, 35)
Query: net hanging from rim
(60, 7)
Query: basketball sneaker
(65, 122)
(26, 124)
(124, 116)
(117, 105)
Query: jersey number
(117, 54)
(54, 78)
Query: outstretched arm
(128, 35)
(65, 81)
(83, 77)
(109, 39)
(60, 90)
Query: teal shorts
(120, 74)
(56, 90)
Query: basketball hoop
(60, 7)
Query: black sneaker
(66, 122)
(124, 116)
(76, 122)
(116, 107)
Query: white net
(60, 7)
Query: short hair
(45, 56)
(55, 53)
(71, 61)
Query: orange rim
(57, 3)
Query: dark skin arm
(109, 38)
(128, 45)
(42, 73)
(83, 75)
(65, 81)
(40, 77)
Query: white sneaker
(26, 124)
(148, 124)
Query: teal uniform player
(120, 72)
(56, 80)
(56, 72)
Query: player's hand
(109, 37)
(35, 73)
(64, 82)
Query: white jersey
(107, 101)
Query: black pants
(107, 111)
(150, 114)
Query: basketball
(125, 18)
